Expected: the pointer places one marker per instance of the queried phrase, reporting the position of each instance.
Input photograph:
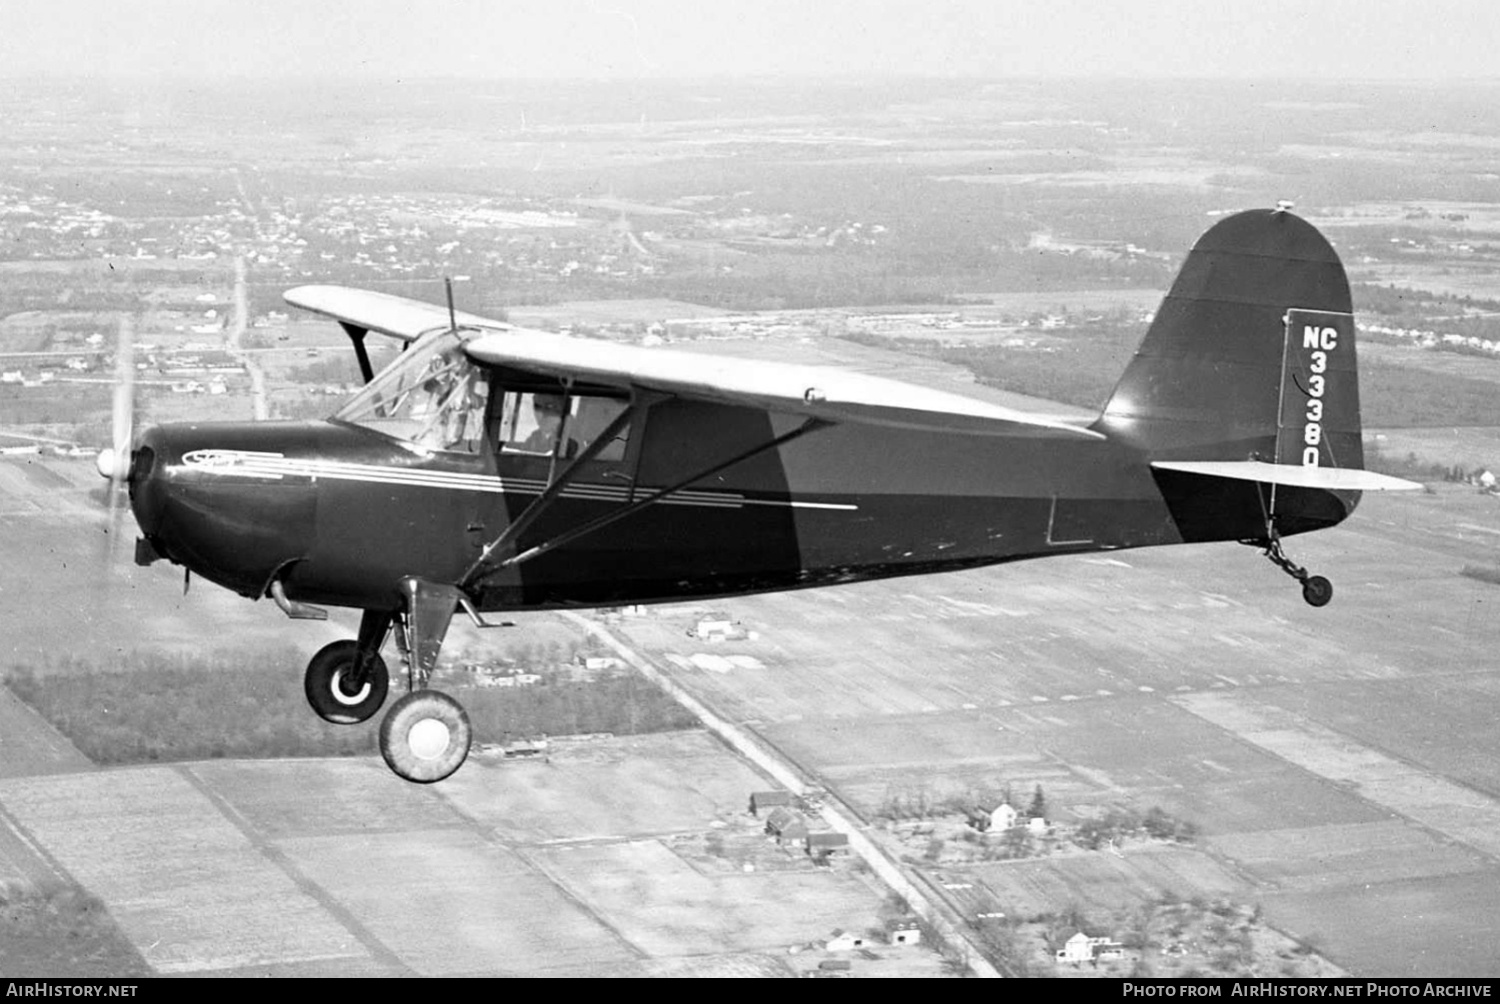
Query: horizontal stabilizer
(1342, 479)
(813, 391)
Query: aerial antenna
(452, 317)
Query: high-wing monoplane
(490, 468)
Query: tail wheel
(336, 688)
(425, 736)
(1317, 590)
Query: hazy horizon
(1401, 40)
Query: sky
(628, 39)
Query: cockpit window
(432, 396)
(533, 422)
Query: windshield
(431, 395)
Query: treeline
(1393, 396)
(1080, 371)
(1082, 366)
(55, 404)
(152, 706)
(1079, 367)
(622, 703)
(1414, 468)
(1416, 305)
(97, 286)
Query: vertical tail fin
(1227, 370)
(1250, 358)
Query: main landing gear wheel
(425, 736)
(336, 688)
(1317, 590)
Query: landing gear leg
(1316, 590)
(425, 735)
(346, 682)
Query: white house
(715, 627)
(844, 941)
(1082, 948)
(1001, 817)
(903, 932)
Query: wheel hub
(341, 692)
(428, 739)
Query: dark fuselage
(341, 513)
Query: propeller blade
(113, 461)
(123, 412)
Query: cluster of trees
(56, 404)
(1078, 365)
(1393, 396)
(1481, 573)
(1120, 823)
(63, 928)
(154, 706)
(920, 802)
(1415, 468)
(621, 703)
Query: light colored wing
(382, 313)
(1331, 478)
(814, 391)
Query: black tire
(1317, 591)
(425, 736)
(326, 685)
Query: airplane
(489, 468)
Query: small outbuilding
(843, 941)
(764, 801)
(903, 931)
(715, 627)
(786, 825)
(826, 845)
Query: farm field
(1335, 755)
(245, 867)
(335, 867)
(1087, 675)
(1469, 447)
(82, 596)
(1339, 765)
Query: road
(234, 342)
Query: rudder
(1251, 358)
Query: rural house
(1082, 948)
(826, 845)
(762, 801)
(1001, 817)
(785, 825)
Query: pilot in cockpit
(548, 410)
